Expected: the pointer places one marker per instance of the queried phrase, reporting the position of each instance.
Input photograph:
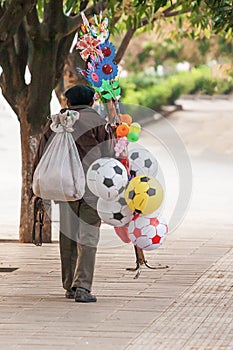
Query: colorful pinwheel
(108, 49)
(88, 47)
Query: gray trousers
(79, 236)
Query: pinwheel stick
(112, 110)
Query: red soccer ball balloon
(147, 232)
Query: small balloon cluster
(128, 193)
(126, 132)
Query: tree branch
(21, 49)
(54, 17)
(12, 82)
(177, 13)
(124, 44)
(32, 22)
(62, 54)
(83, 4)
(170, 8)
(64, 48)
(13, 16)
(129, 34)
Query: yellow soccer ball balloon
(144, 194)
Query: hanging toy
(88, 47)
(148, 232)
(109, 90)
(122, 130)
(135, 127)
(107, 69)
(125, 162)
(108, 49)
(100, 28)
(133, 136)
(91, 74)
(142, 162)
(126, 118)
(121, 146)
(144, 194)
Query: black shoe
(84, 296)
(69, 294)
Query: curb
(206, 97)
(165, 112)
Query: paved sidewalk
(187, 306)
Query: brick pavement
(200, 318)
(187, 306)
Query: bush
(155, 97)
(154, 92)
(205, 86)
(225, 86)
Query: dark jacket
(93, 137)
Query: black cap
(80, 95)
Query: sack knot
(63, 122)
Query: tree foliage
(221, 14)
(26, 27)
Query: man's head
(80, 95)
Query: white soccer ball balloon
(107, 178)
(148, 232)
(92, 172)
(142, 162)
(115, 213)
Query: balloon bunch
(127, 128)
(130, 203)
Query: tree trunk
(28, 149)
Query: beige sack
(59, 175)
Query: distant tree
(37, 34)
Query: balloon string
(136, 215)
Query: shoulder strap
(38, 216)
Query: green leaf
(117, 91)
(69, 4)
(108, 96)
(99, 89)
(40, 8)
(115, 84)
(180, 22)
(105, 84)
(207, 33)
